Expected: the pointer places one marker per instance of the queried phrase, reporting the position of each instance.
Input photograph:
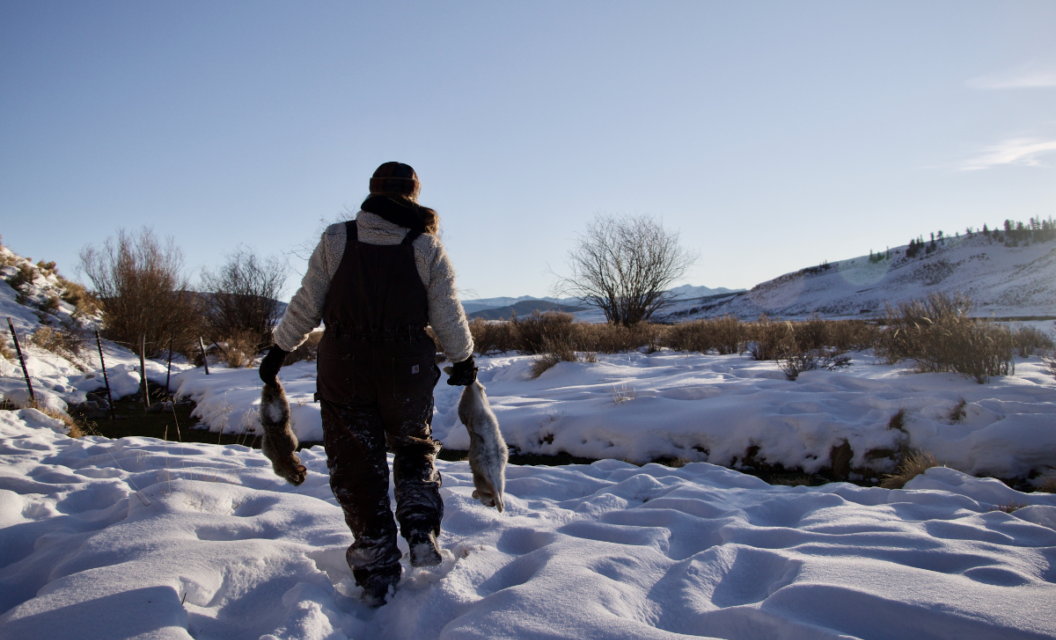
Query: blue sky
(772, 135)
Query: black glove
(463, 373)
(270, 365)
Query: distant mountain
(523, 308)
(684, 292)
(688, 291)
(1002, 281)
(478, 304)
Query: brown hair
(430, 217)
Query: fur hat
(395, 178)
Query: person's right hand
(270, 365)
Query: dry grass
(1009, 507)
(913, 464)
(25, 274)
(898, 420)
(957, 413)
(240, 350)
(84, 302)
(66, 340)
(939, 335)
(624, 393)
(1047, 483)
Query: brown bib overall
(376, 373)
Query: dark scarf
(402, 213)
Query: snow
(149, 539)
(1002, 281)
(711, 408)
(142, 538)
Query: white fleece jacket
(446, 315)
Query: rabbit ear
(448, 370)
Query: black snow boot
(376, 585)
(424, 551)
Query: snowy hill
(684, 292)
(1003, 281)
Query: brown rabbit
(279, 443)
(487, 450)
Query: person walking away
(376, 282)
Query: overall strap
(351, 232)
(411, 237)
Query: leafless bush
(794, 361)
(624, 265)
(770, 338)
(913, 464)
(543, 332)
(243, 295)
(142, 292)
(726, 335)
(938, 334)
(492, 336)
(309, 350)
(1029, 340)
(851, 335)
(614, 338)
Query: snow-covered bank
(147, 539)
(710, 408)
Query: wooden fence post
(143, 370)
(106, 380)
(205, 360)
(22, 361)
(168, 373)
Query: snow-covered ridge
(1003, 281)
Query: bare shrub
(544, 332)
(243, 296)
(725, 335)
(624, 266)
(142, 292)
(851, 335)
(938, 334)
(542, 364)
(913, 464)
(794, 361)
(770, 338)
(1028, 340)
(614, 338)
(309, 349)
(492, 336)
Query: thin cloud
(1021, 79)
(1021, 151)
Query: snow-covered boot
(424, 550)
(377, 585)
